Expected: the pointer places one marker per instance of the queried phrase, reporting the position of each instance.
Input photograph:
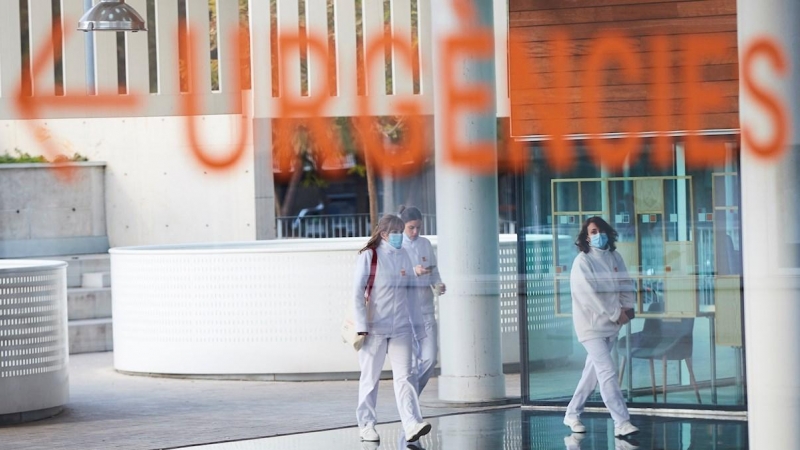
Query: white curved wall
(267, 308)
(34, 351)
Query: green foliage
(359, 169)
(21, 158)
(25, 157)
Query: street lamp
(112, 15)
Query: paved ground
(108, 410)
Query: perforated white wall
(268, 307)
(33, 335)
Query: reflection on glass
(679, 234)
(544, 431)
(515, 429)
(564, 296)
(726, 190)
(592, 196)
(567, 226)
(677, 210)
(664, 340)
(651, 244)
(566, 196)
(622, 211)
(726, 239)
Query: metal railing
(350, 225)
(323, 226)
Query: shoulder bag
(350, 335)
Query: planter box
(43, 213)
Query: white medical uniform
(421, 253)
(601, 288)
(393, 301)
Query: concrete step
(91, 335)
(89, 303)
(84, 264)
(96, 279)
(80, 264)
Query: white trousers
(427, 349)
(599, 369)
(371, 358)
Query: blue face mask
(598, 240)
(396, 240)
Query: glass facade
(680, 238)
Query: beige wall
(156, 190)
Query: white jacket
(421, 253)
(393, 303)
(601, 287)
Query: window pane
(679, 237)
(591, 196)
(566, 196)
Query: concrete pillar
(264, 179)
(467, 221)
(770, 214)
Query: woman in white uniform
(387, 323)
(602, 299)
(427, 276)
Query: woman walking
(386, 319)
(427, 280)
(602, 301)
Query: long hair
(409, 213)
(387, 223)
(604, 227)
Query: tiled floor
(111, 411)
(517, 429)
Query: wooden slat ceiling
(534, 23)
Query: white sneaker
(575, 425)
(369, 434)
(419, 430)
(626, 429)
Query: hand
(623, 318)
(442, 289)
(419, 270)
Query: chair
(667, 340)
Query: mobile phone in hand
(630, 313)
(430, 267)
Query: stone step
(88, 303)
(96, 280)
(80, 264)
(91, 335)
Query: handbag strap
(371, 280)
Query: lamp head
(112, 15)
